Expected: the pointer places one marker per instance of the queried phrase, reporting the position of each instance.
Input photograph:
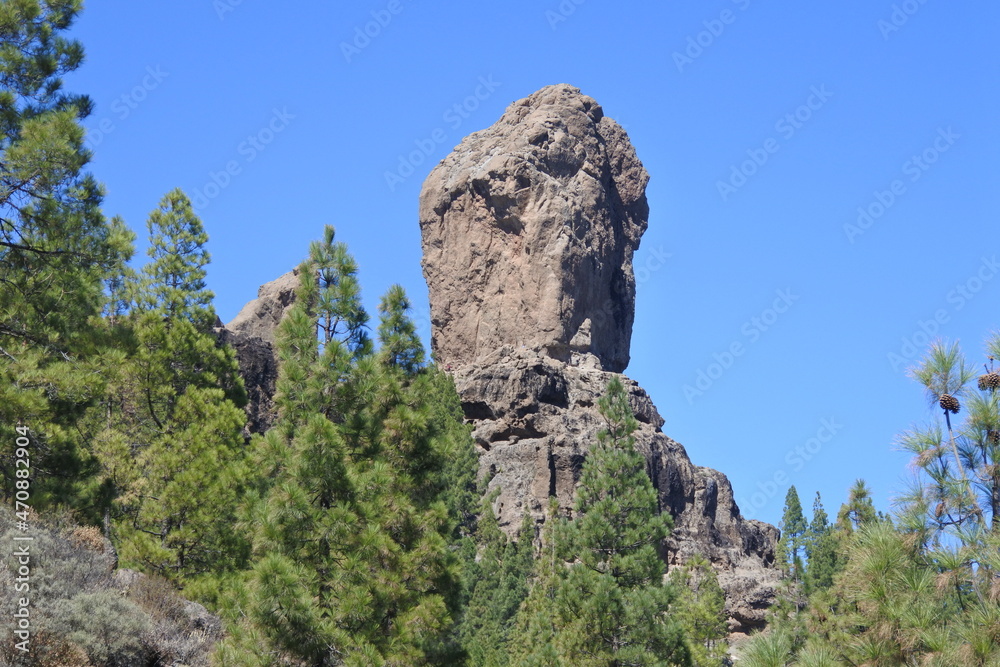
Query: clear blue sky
(829, 102)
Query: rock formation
(528, 232)
(251, 334)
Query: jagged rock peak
(528, 230)
(534, 421)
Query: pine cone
(949, 403)
(989, 381)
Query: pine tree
(821, 550)
(454, 436)
(611, 605)
(701, 612)
(859, 510)
(350, 528)
(399, 343)
(944, 373)
(958, 489)
(533, 642)
(56, 251)
(793, 529)
(498, 583)
(923, 589)
(180, 404)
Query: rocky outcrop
(528, 231)
(259, 318)
(251, 334)
(534, 420)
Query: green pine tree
(498, 584)
(179, 405)
(944, 373)
(701, 612)
(351, 563)
(56, 253)
(859, 510)
(793, 529)
(611, 605)
(822, 548)
(458, 476)
(533, 639)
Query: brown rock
(528, 232)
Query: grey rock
(251, 334)
(528, 231)
(259, 318)
(534, 419)
(258, 362)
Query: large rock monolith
(528, 231)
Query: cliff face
(528, 232)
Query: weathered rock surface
(251, 334)
(534, 420)
(528, 232)
(259, 318)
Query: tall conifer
(350, 528)
(56, 252)
(610, 604)
(184, 394)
